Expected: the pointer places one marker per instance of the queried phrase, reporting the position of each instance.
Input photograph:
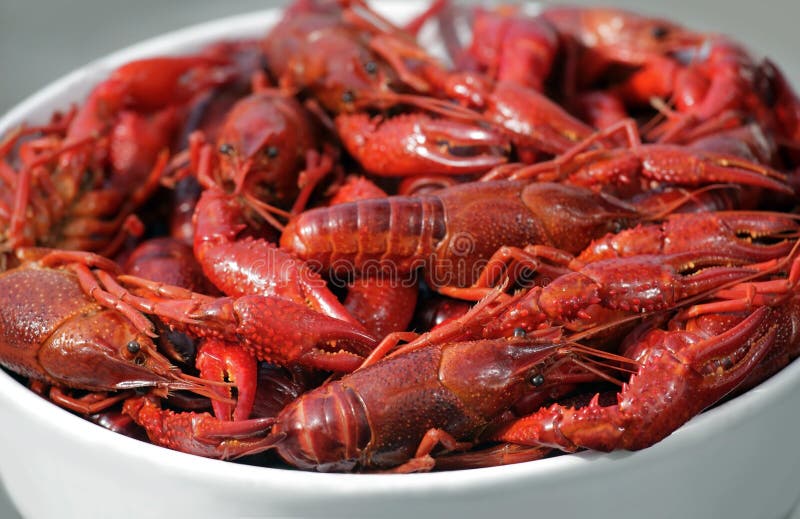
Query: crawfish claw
(276, 329)
(197, 433)
(410, 144)
(222, 361)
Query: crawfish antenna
(269, 442)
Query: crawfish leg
(422, 460)
(562, 160)
(504, 454)
(317, 167)
(87, 404)
(197, 433)
(513, 262)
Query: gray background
(41, 40)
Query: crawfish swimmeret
(572, 237)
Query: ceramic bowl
(737, 460)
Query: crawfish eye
(371, 67)
(348, 97)
(537, 380)
(659, 32)
(272, 152)
(226, 149)
(519, 332)
(133, 347)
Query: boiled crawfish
(453, 232)
(622, 239)
(53, 333)
(347, 424)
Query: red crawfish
(334, 57)
(395, 413)
(638, 167)
(265, 155)
(750, 235)
(720, 78)
(681, 373)
(682, 257)
(262, 147)
(76, 183)
(219, 356)
(263, 143)
(205, 114)
(595, 39)
(368, 63)
(452, 233)
(55, 334)
(729, 342)
(509, 45)
(608, 290)
(517, 109)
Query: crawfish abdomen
(391, 234)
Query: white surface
(739, 460)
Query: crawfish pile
(329, 247)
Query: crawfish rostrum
(575, 231)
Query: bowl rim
(72, 87)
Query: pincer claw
(222, 361)
(420, 143)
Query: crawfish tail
(389, 234)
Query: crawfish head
(263, 143)
(618, 35)
(104, 350)
(329, 58)
(51, 331)
(490, 375)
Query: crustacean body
(76, 184)
(55, 334)
(454, 231)
(354, 422)
(682, 372)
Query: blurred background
(41, 40)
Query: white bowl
(737, 460)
